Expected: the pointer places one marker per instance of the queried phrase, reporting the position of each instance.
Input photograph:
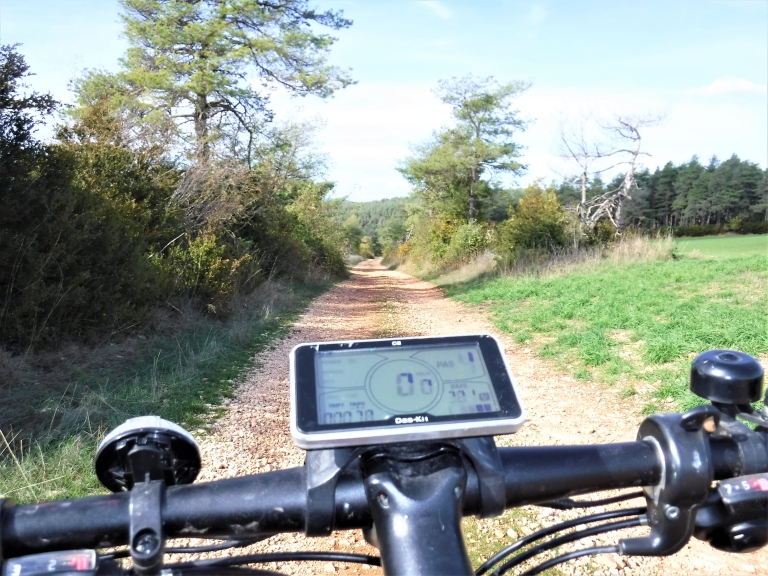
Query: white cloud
(437, 8)
(370, 127)
(731, 86)
(368, 131)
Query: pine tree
(197, 60)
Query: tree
(455, 162)
(393, 232)
(584, 149)
(538, 222)
(353, 234)
(625, 129)
(664, 195)
(576, 148)
(365, 248)
(19, 113)
(193, 60)
(687, 176)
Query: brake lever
(682, 443)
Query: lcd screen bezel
(308, 433)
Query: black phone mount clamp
(142, 456)
(324, 467)
(146, 540)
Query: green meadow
(638, 325)
(723, 246)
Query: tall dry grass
(627, 248)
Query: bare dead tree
(625, 129)
(576, 147)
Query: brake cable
(570, 556)
(501, 554)
(566, 539)
(569, 504)
(280, 557)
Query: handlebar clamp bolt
(672, 512)
(146, 543)
(383, 500)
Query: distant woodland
(692, 196)
(690, 199)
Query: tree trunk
(202, 113)
(620, 214)
(472, 196)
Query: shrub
(467, 242)
(538, 223)
(366, 247)
(735, 225)
(73, 251)
(212, 270)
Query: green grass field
(723, 246)
(638, 325)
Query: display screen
(376, 384)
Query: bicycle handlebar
(414, 494)
(276, 501)
(676, 461)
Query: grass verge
(723, 246)
(57, 406)
(636, 325)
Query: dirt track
(253, 436)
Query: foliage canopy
(457, 166)
(194, 60)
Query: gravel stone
(253, 435)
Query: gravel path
(253, 436)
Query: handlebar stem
(416, 503)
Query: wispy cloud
(731, 86)
(537, 13)
(437, 8)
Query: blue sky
(704, 65)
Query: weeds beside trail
(635, 324)
(57, 406)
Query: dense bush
(365, 248)
(468, 241)
(735, 225)
(100, 228)
(538, 222)
(73, 253)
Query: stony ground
(254, 435)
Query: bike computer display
(397, 390)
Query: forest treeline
(692, 199)
(167, 182)
(689, 199)
(458, 208)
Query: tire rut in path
(253, 436)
